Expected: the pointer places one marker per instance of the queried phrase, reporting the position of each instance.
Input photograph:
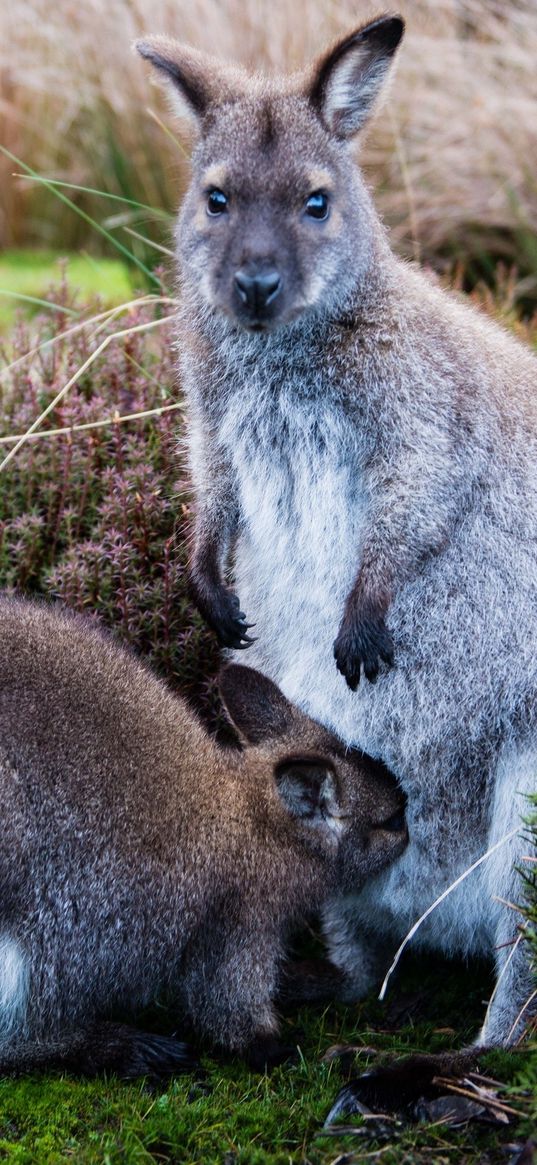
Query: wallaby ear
(347, 81)
(254, 704)
(196, 79)
(308, 790)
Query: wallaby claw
(361, 645)
(220, 608)
(399, 1085)
(156, 1057)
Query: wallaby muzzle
(256, 286)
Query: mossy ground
(237, 1118)
(100, 520)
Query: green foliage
(237, 1118)
(529, 874)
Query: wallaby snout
(396, 823)
(387, 840)
(257, 287)
(377, 833)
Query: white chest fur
(303, 509)
(298, 465)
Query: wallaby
(363, 447)
(138, 856)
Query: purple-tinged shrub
(99, 519)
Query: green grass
(237, 1118)
(31, 273)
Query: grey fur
(366, 446)
(138, 857)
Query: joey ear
(308, 790)
(254, 704)
(196, 79)
(347, 81)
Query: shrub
(529, 873)
(100, 518)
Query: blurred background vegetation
(451, 156)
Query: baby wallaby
(139, 858)
(363, 448)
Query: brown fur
(138, 857)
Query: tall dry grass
(453, 155)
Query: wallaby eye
(317, 205)
(217, 202)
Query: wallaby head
(342, 798)
(277, 220)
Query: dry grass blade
(479, 1078)
(510, 905)
(521, 1013)
(76, 377)
(101, 319)
(116, 419)
(474, 1092)
(503, 971)
(441, 898)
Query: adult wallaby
(365, 446)
(138, 856)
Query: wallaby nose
(257, 290)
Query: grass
(236, 1118)
(100, 517)
(31, 273)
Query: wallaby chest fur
(139, 859)
(363, 448)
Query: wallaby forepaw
(362, 644)
(230, 622)
(220, 608)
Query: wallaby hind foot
(103, 1047)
